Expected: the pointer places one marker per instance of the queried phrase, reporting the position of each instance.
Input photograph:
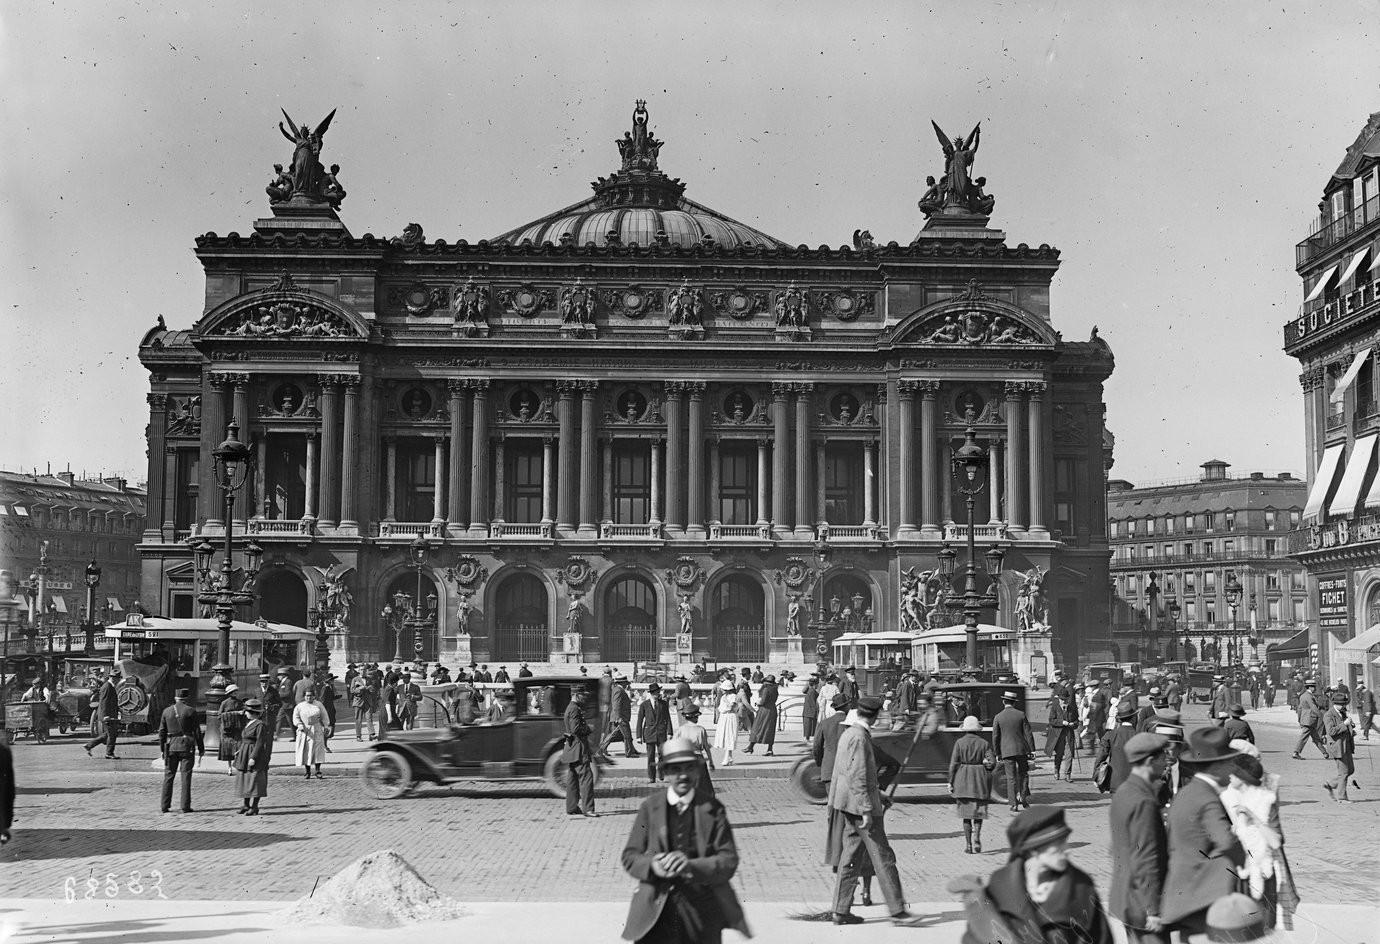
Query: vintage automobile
(70, 709)
(526, 745)
(928, 760)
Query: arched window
(521, 633)
(739, 625)
(630, 624)
(282, 598)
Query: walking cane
(895, 781)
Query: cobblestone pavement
(83, 818)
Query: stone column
(606, 515)
(350, 453)
(566, 470)
(675, 461)
(906, 487)
(261, 475)
(479, 465)
(656, 482)
(715, 482)
(803, 395)
(588, 457)
(870, 483)
(212, 432)
(946, 491)
(455, 498)
(821, 477)
(309, 504)
(438, 475)
(158, 467)
(239, 383)
(1015, 486)
(329, 501)
(994, 478)
(780, 465)
(695, 459)
(390, 498)
(931, 476)
(763, 471)
(1035, 411)
(548, 480)
(500, 480)
(170, 494)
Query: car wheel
(387, 775)
(554, 772)
(62, 728)
(804, 778)
(1000, 793)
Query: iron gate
(739, 642)
(632, 642)
(523, 642)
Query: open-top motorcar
(928, 760)
(526, 744)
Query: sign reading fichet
(1333, 611)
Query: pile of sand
(378, 891)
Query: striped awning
(1348, 378)
(1322, 481)
(1358, 467)
(1352, 266)
(1321, 285)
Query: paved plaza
(89, 829)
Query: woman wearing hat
(231, 723)
(970, 780)
(1039, 895)
(252, 758)
(726, 735)
(309, 720)
(1251, 800)
(764, 719)
(692, 732)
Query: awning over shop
(1295, 647)
(59, 603)
(1348, 378)
(1352, 266)
(1322, 481)
(1321, 285)
(1361, 642)
(114, 603)
(1357, 468)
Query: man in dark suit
(1204, 853)
(681, 851)
(653, 726)
(809, 708)
(1013, 742)
(1341, 741)
(848, 685)
(1365, 709)
(578, 757)
(1310, 720)
(179, 734)
(619, 719)
(826, 740)
(1112, 746)
(1099, 704)
(108, 710)
(1140, 849)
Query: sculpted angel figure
(307, 172)
(958, 158)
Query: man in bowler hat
(1013, 742)
(681, 851)
(1140, 845)
(1341, 742)
(1310, 714)
(179, 734)
(1204, 852)
(579, 758)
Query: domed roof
(639, 204)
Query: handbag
(1102, 776)
(989, 760)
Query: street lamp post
(232, 461)
(1152, 592)
(1233, 595)
(971, 463)
(93, 581)
(319, 619)
(403, 613)
(1173, 610)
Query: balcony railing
(292, 526)
(1328, 233)
(981, 532)
(505, 530)
(848, 532)
(740, 532)
(411, 529)
(611, 531)
(1323, 313)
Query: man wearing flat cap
(1341, 742)
(681, 851)
(849, 685)
(179, 735)
(1204, 853)
(1013, 742)
(1140, 849)
(1038, 895)
(856, 808)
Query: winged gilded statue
(307, 173)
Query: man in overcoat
(1099, 703)
(653, 727)
(809, 708)
(824, 747)
(578, 757)
(1059, 735)
(179, 735)
(1341, 742)
(1310, 720)
(620, 718)
(1365, 709)
(1013, 742)
(681, 852)
(1204, 853)
(848, 685)
(1112, 746)
(1140, 845)
(108, 711)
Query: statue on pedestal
(1032, 606)
(956, 194)
(793, 616)
(574, 614)
(307, 178)
(462, 615)
(687, 614)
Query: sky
(1174, 152)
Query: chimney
(1257, 476)
(1286, 476)
(67, 476)
(1214, 470)
(114, 480)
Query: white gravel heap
(379, 890)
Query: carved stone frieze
(470, 308)
(1070, 424)
(974, 328)
(285, 319)
(739, 303)
(418, 299)
(634, 301)
(526, 300)
(844, 304)
(184, 416)
(686, 574)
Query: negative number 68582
(94, 888)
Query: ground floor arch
(282, 597)
(738, 620)
(629, 619)
(520, 627)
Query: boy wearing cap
(1204, 853)
(179, 735)
(1039, 895)
(1341, 738)
(1140, 851)
(681, 851)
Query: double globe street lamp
(1232, 591)
(408, 613)
(89, 625)
(232, 463)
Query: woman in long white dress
(309, 720)
(726, 736)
